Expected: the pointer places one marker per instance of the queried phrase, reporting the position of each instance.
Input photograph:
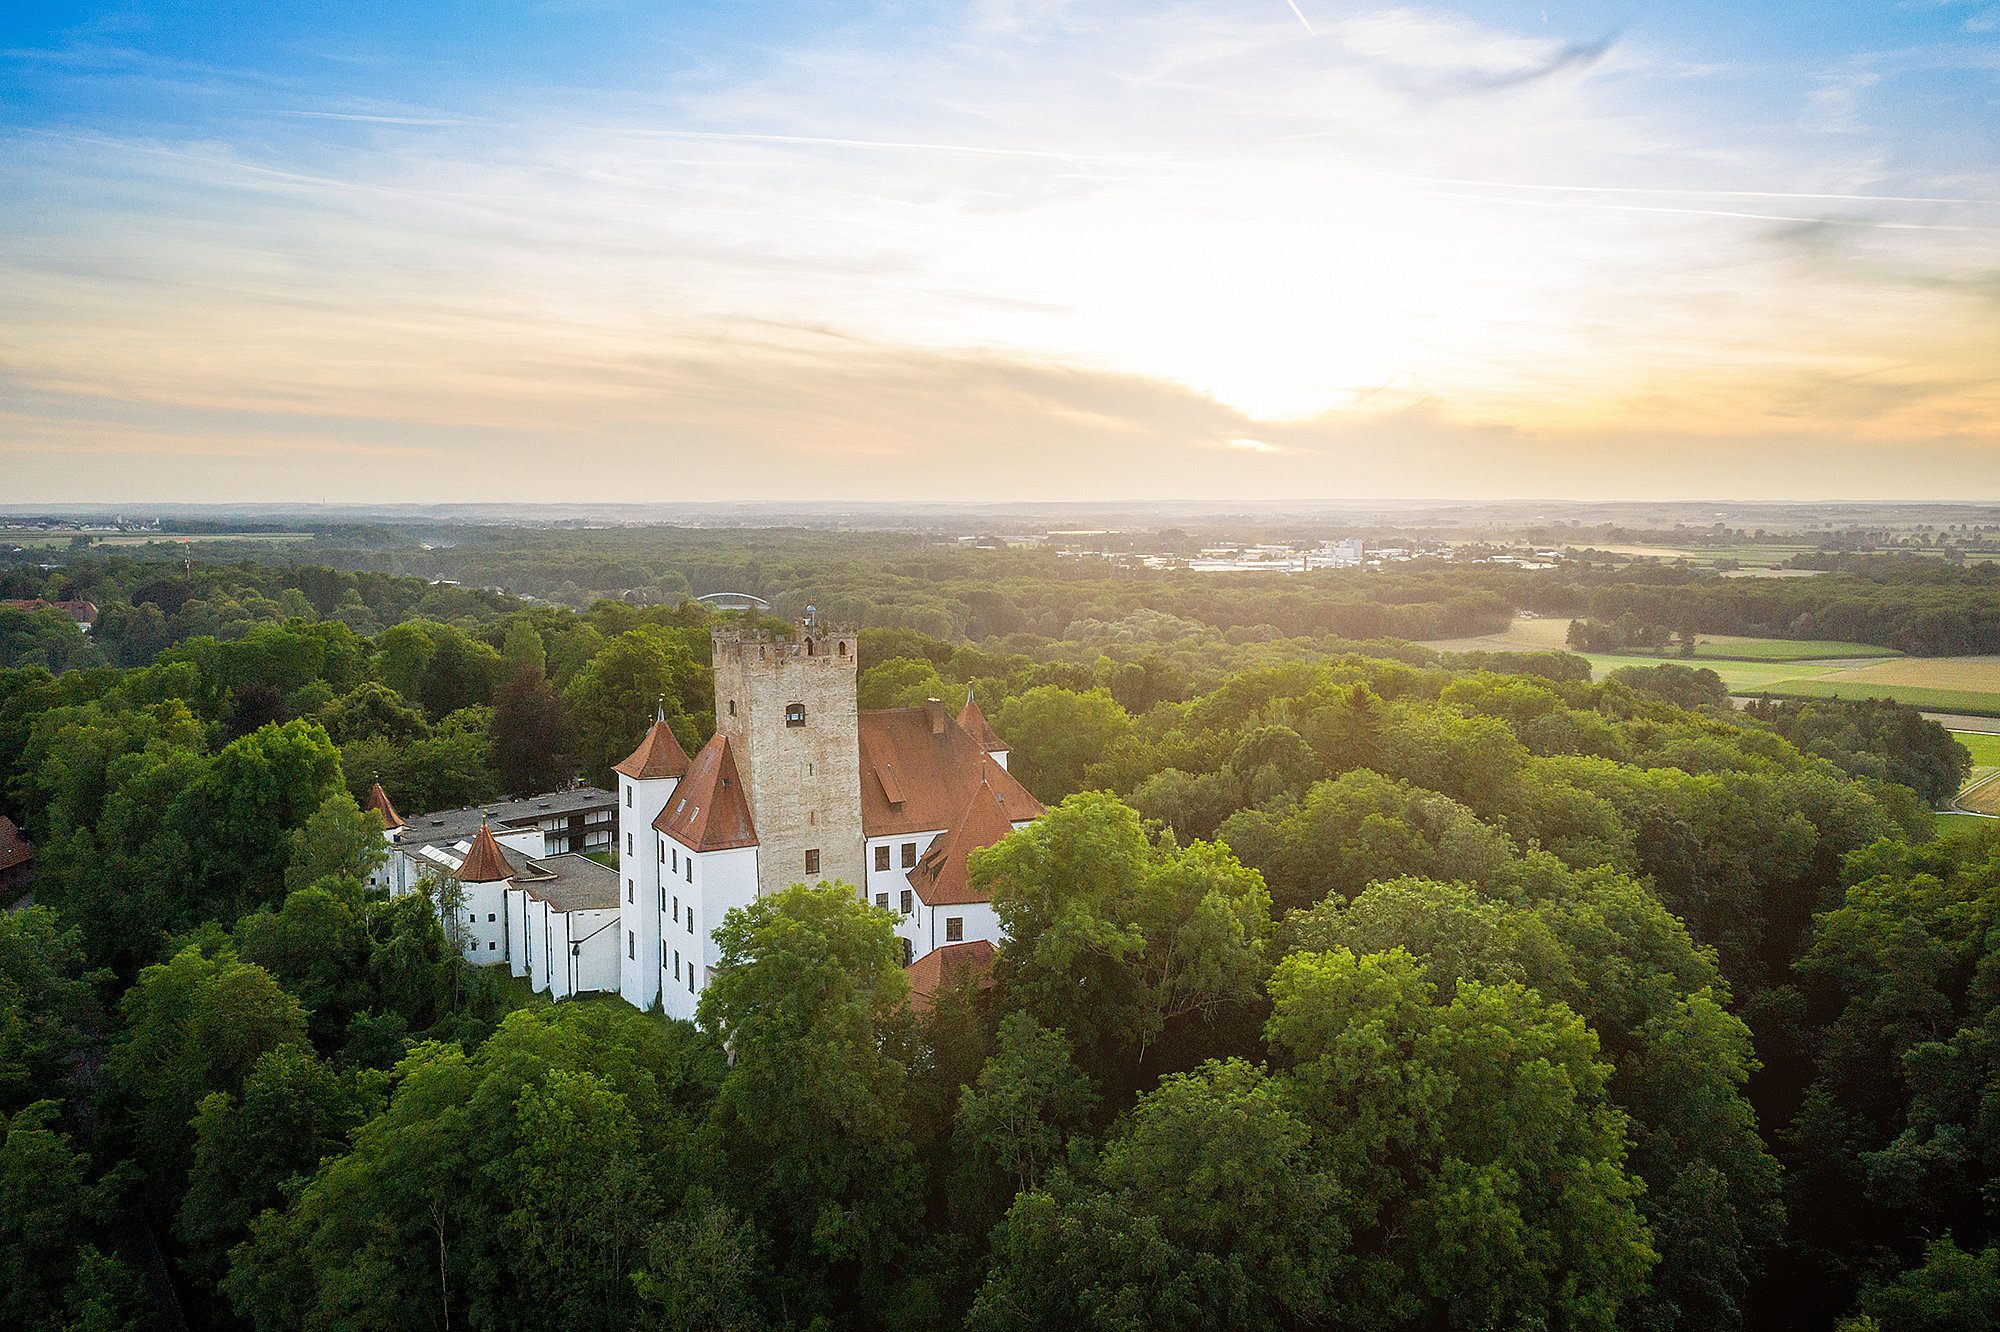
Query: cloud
(1051, 249)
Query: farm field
(1962, 825)
(1942, 684)
(1551, 634)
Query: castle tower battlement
(787, 703)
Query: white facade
(642, 879)
(700, 888)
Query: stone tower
(787, 704)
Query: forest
(1348, 984)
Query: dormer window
(795, 714)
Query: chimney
(935, 709)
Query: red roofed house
(800, 786)
(945, 967)
(83, 612)
(17, 860)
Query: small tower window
(812, 862)
(843, 647)
(732, 707)
(795, 714)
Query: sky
(1001, 250)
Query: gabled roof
(378, 800)
(14, 848)
(658, 755)
(919, 768)
(940, 878)
(945, 966)
(484, 863)
(710, 810)
(974, 722)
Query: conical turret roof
(974, 721)
(378, 800)
(484, 863)
(658, 755)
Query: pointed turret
(658, 755)
(378, 800)
(484, 863)
(974, 721)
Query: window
(628, 797)
(954, 929)
(909, 855)
(677, 964)
(812, 861)
(631, 945)
(906, 901)
(663, 848)
(690, 918)
(690, 977)
(881, 857)
(732, 712)
(472, 917)
(663, 955)
(812, 818)
(628, 844)
(677, 911)
(882, 900)
(795, 714)
(843, 647)
(491, 916)
(676, 862)
(490, 947)
(909, 952)
(690, 869)
(628, 890)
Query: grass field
(1551, 634)
(1985, 748)
(1784, 649)
(1959, 825)
(1940, 684)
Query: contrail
(1302, 17)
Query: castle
(797, 785)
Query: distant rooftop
(570, 882)
(458, 825)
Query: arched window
(795, 714)
(843, 647)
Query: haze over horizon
(1023, 250)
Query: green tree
(340, 841)
(532, 740)
(194, 1025)
(811, 1114)
(292, 1112)
(51, 1274)
(1112, 940)
(1059, 737)
(1476, 1133)
(613, 699)
(46, 1011)
(1028, 1102)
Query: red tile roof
(975, 724)
(940, 878)
(919, 768)
(378, 800)
(658, 755)
(946, 966)
(710, 810)
(484, 863)
(14, 848)
(83, 612)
